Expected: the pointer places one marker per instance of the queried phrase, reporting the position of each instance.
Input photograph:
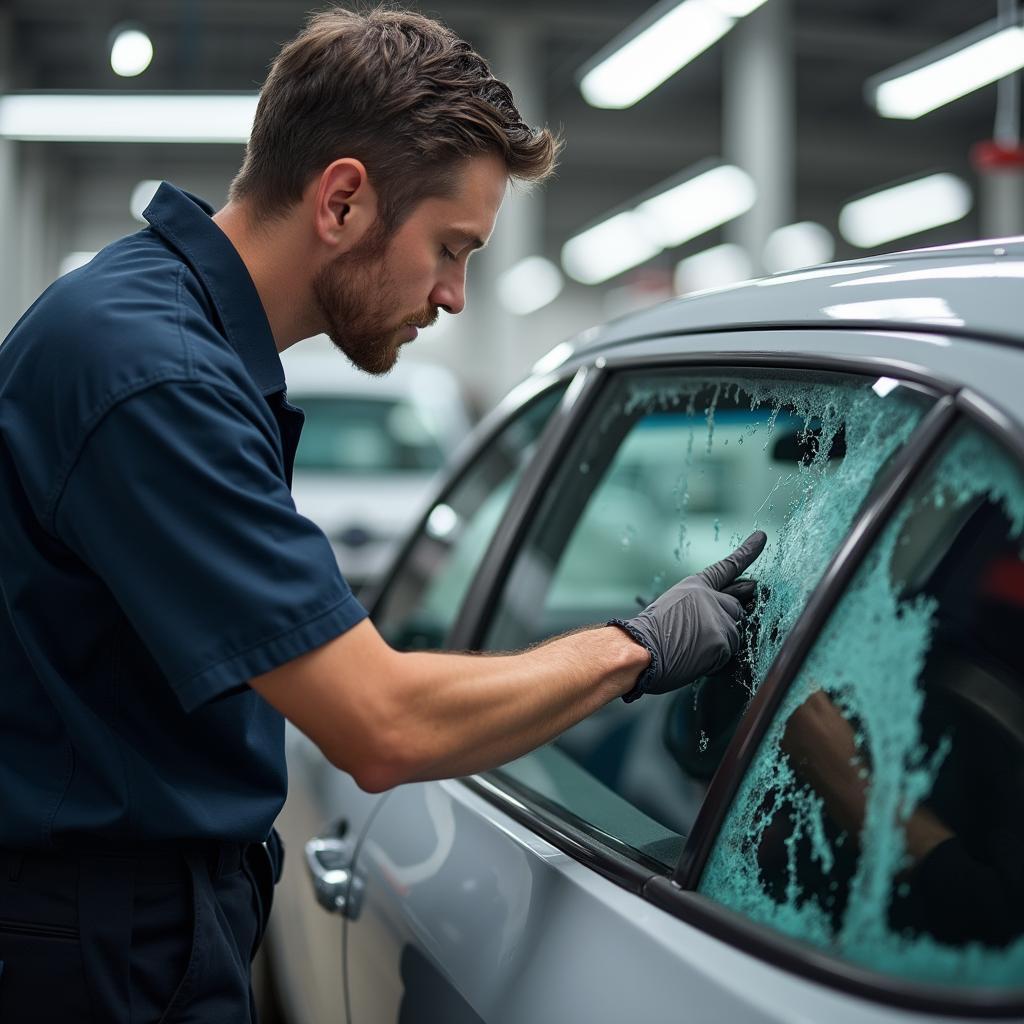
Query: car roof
(966, 288)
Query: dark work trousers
(130, 935)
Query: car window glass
(668, 475)
(365, 435)
(881, 818)
(420, 604)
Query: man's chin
(377, 359)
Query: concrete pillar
(759, 112)
(497, 347)
(1000, 163)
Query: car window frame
(463, 460)
(952, 404)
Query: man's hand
(693, 629)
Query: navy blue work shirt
(151, 557)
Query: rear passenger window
(881, 818)
(669, 473)
(419, 606)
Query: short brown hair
(394, 89)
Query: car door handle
(329, 861)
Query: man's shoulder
(132, 317)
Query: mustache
(425, 319)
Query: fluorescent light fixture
(716, 267)
(946, 73)
(698, 205)
(609, 248)
(73, 261)
(131, 52)
(665, 39)
(127, 117)
(678, 211)
(796, 246)
(529, 285)
(905, 210)
(142, 195)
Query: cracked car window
(880, 819)
(419, 606)
(669, 474)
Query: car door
(515, 895)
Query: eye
(447, 253)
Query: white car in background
(369, 450)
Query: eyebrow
(471, 240)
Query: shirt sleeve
(178, 503)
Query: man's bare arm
(388, 717)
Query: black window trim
(482, 594)
(952, 403)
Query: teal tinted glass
(420, 604)
(365, 435)
(880, 819)
(669, 473)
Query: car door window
(881, 817)
(419, 606)
(670, 472)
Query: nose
(450, 294)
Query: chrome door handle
(329, 862)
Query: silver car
(831, 829)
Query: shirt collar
(185, 222)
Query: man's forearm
(455, 714)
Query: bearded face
(359, 302)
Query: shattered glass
(670, 473)
(880, 819)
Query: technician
(164, 606)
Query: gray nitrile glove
(693, 629)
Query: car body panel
(955, 288)
(510, 929)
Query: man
(165, 607)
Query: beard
(352, 293)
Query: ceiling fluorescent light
(698, 204)
(609, 248)
(905, 210)
(946, 73)
(796, 246)
(654, 48)
(677, 212)
(716, 267)
(127, 117)
(529, 285)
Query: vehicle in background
(829, 830)
(370, 449)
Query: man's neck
(278, 265)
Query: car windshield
(349, 434)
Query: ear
(344, 204)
